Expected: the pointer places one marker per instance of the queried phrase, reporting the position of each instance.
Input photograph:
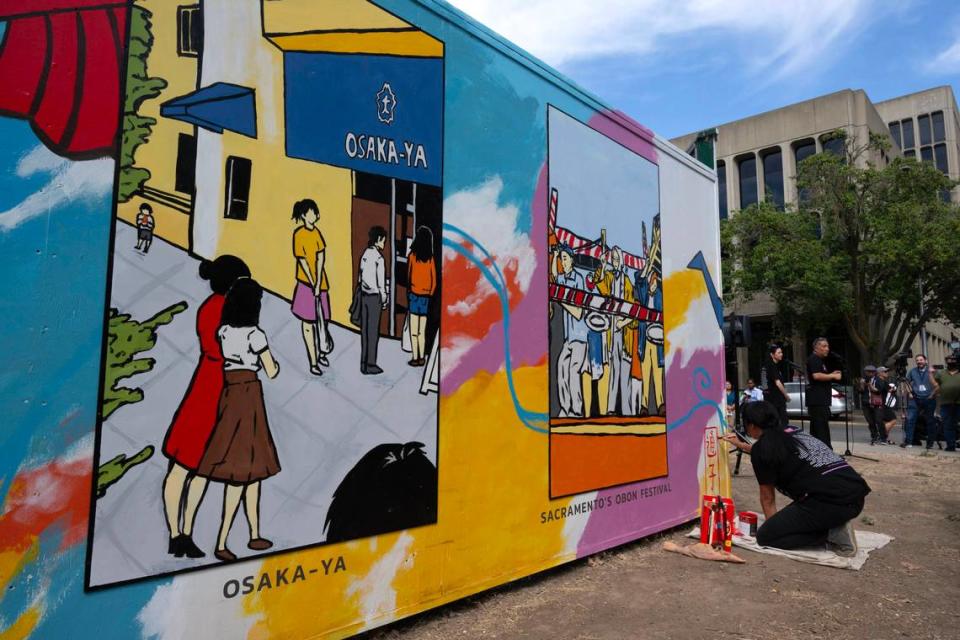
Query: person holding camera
(886, 416)
(948, 389)
(921, 401)
(827, 493)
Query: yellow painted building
(246, 184)
(172, 59)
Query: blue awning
(216, 107)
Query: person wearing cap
(872, 404)
(948, 386)
(573, 356)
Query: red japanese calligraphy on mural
(70, 92)
(711, 450)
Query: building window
(189, 30)
(926, 154)
(186, 163)
(939, 133)
(906, 130)
(895, 133)
(940, 158)
(747, 167)
(910, 153)
(722, 188)
(803, 149)
(773, 176)
(237, 197)
(923, 124)
(835, 145)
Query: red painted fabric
(60, 68)
(197, 415)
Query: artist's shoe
(259, 544)
(843, 540)
(224, 555)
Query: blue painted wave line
(701, 380)
(530, 419)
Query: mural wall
(350, 304)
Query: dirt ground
(909, 589)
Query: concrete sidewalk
(322, 426)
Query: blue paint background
(331, 95)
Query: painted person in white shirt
(373, 299)
(573, 358)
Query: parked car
(837, 406)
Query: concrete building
(757, 159)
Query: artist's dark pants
(820, 424)
(805, 523)
(874, 421)
(950, 414)
(370, 308)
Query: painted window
(747, 167)
(895, 133)
(923, 124)
(939, 133)
(189, 30)
(237, 198)
(722, 188)
(906, 130)
(186, 163)
(773, 176)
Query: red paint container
(748, 518)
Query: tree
(866, 245)
(139, 87)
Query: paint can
(748, 523)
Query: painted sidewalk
(322, 426)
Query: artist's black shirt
(770, 375)
(818, 391)
(813, 470)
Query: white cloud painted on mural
(378, 598)
(574, 526)
(194, 607)
(699, 331)
(792, 35)
(70, 181)
(478, 212)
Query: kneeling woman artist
(827, 493)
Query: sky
(679, 66)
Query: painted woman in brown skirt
(240, 452)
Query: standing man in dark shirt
(921, 401)
(820, 376)
(771, 380)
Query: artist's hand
(731, 438)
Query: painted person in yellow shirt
(612, 280)
(309, 250)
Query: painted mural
(607, 410)
(234, 230)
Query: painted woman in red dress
(196, 416)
